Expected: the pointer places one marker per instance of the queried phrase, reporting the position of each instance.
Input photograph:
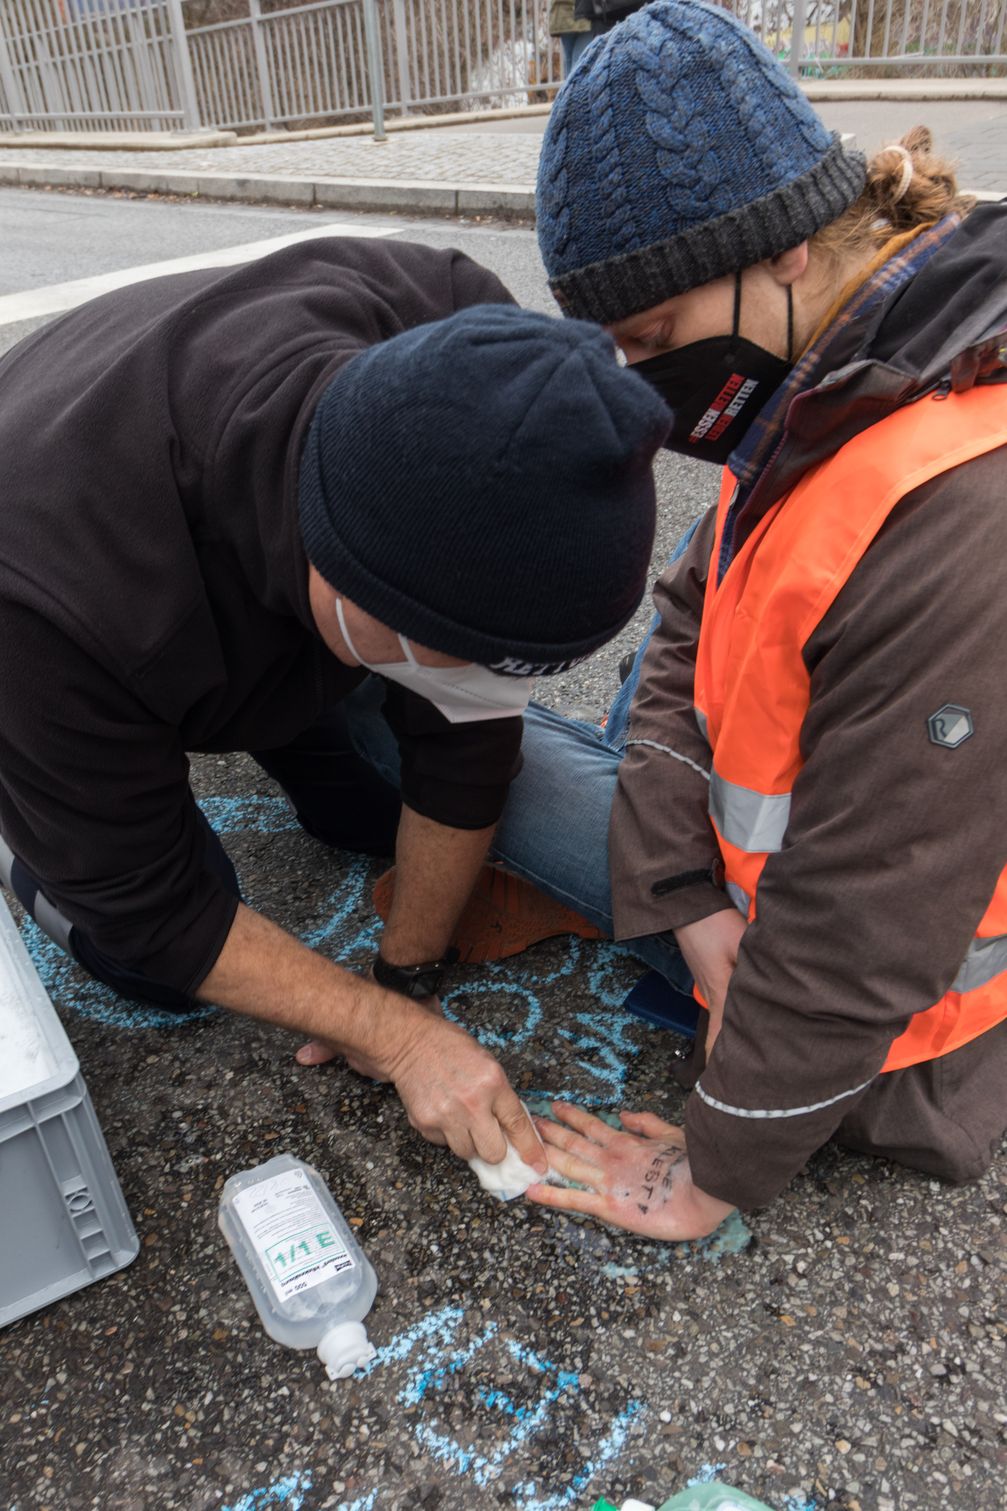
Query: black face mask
(716, 387)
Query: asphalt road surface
(842, 1348)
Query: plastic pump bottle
(311, 1282)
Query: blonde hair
(908, 185)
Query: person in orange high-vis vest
(812, 796)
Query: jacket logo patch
(951, 726)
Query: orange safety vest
(752, 686)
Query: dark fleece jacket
(153, 585)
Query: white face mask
(462, 694)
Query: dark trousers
(337, 798)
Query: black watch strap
(415, 981)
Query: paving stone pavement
(975, 132)
(431, 156)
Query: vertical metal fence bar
(817, 47)
(997, 43)
(19, 57)
(907, 10)
(352, 24)
(313, 52)
(141, 24)
(231, 95)
(280, 67)
(375, 71)
(401, 54)
(117, 29)
(797, 38)
(478, 56)
(456, 32)
(183, 65)
(261, 63)
(8, 81)
(943, 26)
(43, 90)
(869, 33)
(296, 42)
(514, 50)
(67, 70)
(94, 92)
(436, 33)
(31, 71)
(326, 22)
(339, 55)
(467, 13)
(100, 43)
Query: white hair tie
(907, 169)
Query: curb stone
(423, 196)
(328, 193)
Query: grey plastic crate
(65, 1222)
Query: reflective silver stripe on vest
(749, 820)
(704, 724)
(675, 755)
(774, 1112)
(986, 958)
(739, 897)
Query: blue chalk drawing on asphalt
(602, 1038)
(253, 814)
(66, 983)
(61, 978)
(440, 1353)
(287, 1493)
(611, 1444)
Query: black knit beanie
(483, 486)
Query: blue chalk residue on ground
(604, 1040)
(251, 814)
(438, 1350)
(287, 1493)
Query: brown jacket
(891, 856)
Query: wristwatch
(414, 981)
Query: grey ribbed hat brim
(622, 286)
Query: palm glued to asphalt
(638, 1180)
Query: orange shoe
(504, 916)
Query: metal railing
(82, 64)
(148, 64)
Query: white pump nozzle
(345, 1348)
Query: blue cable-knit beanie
(483, 485)
(677, 151)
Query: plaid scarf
(764, 438)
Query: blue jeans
(574, 43)
(554, 828)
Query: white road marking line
(31, 304)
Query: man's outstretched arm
(453, 1090)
